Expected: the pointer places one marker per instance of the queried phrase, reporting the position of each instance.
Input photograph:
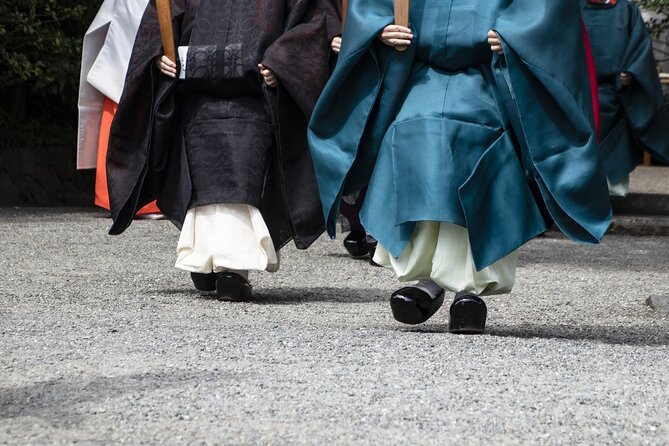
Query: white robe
(106, 54)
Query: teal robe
(446, 132)
(633, 118)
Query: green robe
(633, 118)
(446, 132)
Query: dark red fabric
(593, 80)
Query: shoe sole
(467, 330)
(405, 311)
(357, 254)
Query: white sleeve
(183, 57)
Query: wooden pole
(402, 13)
(344, 10)
(166, 32)
(402, 16)
(647, 159)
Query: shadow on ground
(58, 400)
(646, 336)
(649, 336)
(292, 295)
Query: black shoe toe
(204, 282)
(356, 245)
(232, 287)
(411, 305)
(468, 314)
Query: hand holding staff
(398, 35)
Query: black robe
(220, 136)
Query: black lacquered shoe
(468, 314)
(232, 287)
(356, 244)
(412, 305)
(204, 282)
(372, 250)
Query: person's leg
(220, 243)
(439, 257)
(357, 243)
(415, 303)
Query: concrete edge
(641, 225)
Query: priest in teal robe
(461, 147)
(633, 110)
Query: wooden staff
(166, 32)
(402, 16)
(344, 9)
(402, 13)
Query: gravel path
(102, 341)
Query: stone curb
(647, 225)
(641, 204)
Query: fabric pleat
(223, 237)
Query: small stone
(659, 303)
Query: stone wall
(661, 47)
(43, 176)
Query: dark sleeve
(332, 9)
(552, 114)
(133, 141)
(643, 100)
(300, 58)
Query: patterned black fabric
(211, 62)
(228, 144)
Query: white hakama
(441, 252)
(225, 237)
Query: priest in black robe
(219, 138)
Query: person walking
(463, 126)
(219, 136)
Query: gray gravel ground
(103, 342)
